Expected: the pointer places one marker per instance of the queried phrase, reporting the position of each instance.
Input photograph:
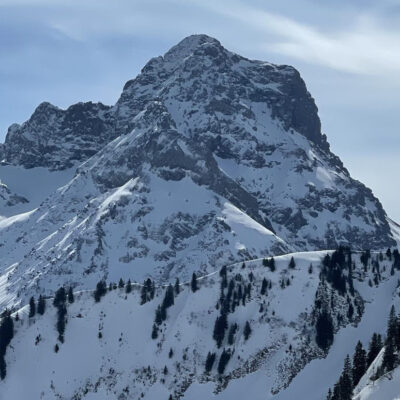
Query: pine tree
(128, 287)
(310, 271)
(375, 347)
(61, 314)
(169, 297)
(121, 283)
(101, 290)
(194, 283)
(221, 324)
(71, 298)
(59, 297)
(247, 330)
(397, 334)
(143, 294)
(223, 361)
(389, 357)
(324, 330)
(41, 305)
(346, 382)
(272, 264)
(6, 335)
(292, 264)
(154, 332)
(171, 353)
(32, 307)
(209, 361)
(264, 286)
(177, 286)
(391, 326)
(359, 363)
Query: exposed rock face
(206, 158)
(58, 139)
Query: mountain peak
(189, 44)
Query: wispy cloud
(365, 46)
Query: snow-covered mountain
(206, 159)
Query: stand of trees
(6, 335)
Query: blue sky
(348, 52)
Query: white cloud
(365, 47)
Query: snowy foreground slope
(108, 352)
(207, 158)
(386, 387)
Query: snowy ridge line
(200, 278)
(230, 266)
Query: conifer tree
(389, 357)
(128, 287)
(177, 286)
(310, 271)
(61, 314)
(247, 330)
(359, 363)
(346, 382)
(324, 330)
(101, 290)
(169, 297)
(59, 297)
(6, 335)
(32, 307)
(391, 326)
(292, 264)
(121, 283)
(375, 347)
(154, 332)
(163, 313)
(71, 297)
(193, 284)
(264, 286)
(209, 361)
(143, 294)
(272, 264)
(41, 305)
(221, 324)
(223, 361)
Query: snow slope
(125, 363)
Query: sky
(348, 53)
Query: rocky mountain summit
(207, 158)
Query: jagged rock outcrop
(59, 139)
